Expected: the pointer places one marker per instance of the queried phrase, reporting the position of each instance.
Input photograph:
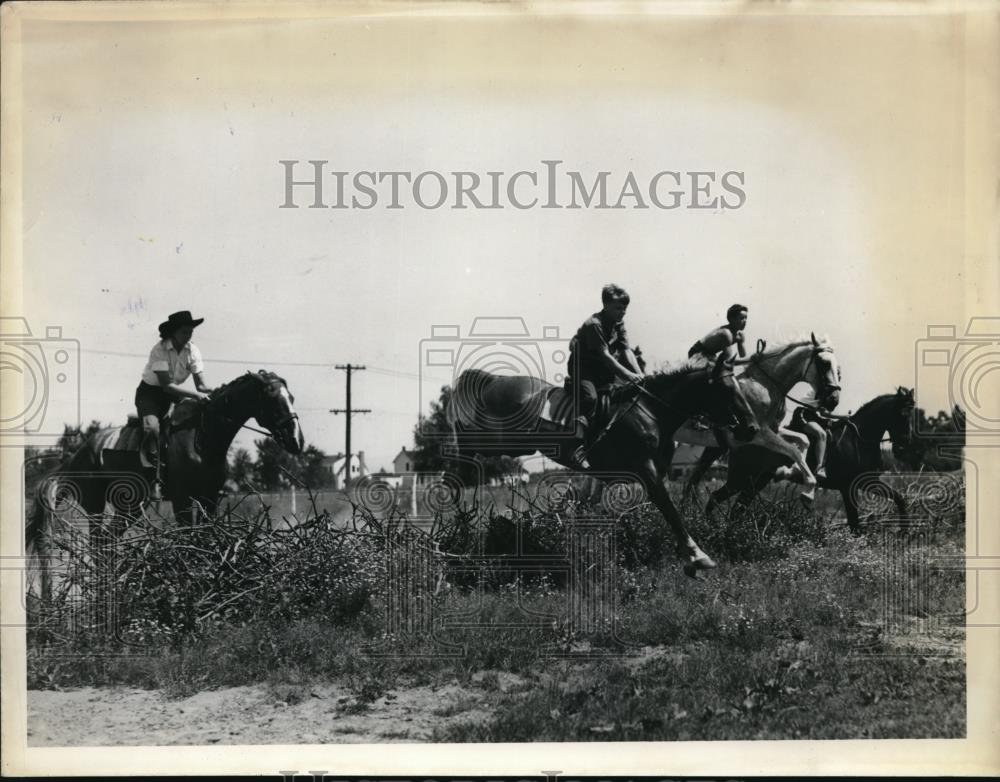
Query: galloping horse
(769, 375)
(195, 460)
(491, 414)
(853, 457)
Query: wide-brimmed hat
(179, 319)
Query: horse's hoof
(699, 561)
(807, 499)
(690, 570)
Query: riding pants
(585, 394)
(152, 403)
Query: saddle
(559, 407)
(124, 452)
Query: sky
(152, 184)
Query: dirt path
(118, 716)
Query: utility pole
(348, 411)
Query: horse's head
(900, 427)
(822, 372)
(274, 411)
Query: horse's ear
(813, 335)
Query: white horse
(767, 378)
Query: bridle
(828, 388)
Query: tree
(38, 462)
(312, 472)
(241, 467)
(940, 438)
(273, 461)
(430, 436)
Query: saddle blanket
(125, 438)
(559, 408)
(119, 443)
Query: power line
(311, 364)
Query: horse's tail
(37, 531)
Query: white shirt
(164, 357)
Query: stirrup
(578, 458)
(700, 423)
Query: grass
(787, 639)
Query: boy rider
(600, 357)
(728, 340)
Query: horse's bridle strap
(828, 387)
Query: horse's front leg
(720, 495)
(779, 444)
(652, 480)
(851, 509)
(705, 461)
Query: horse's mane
(797, 341)
(262, 376)
(880, 399)
(675, 368)
(803, 338)
(684, 366)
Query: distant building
(404, 468)
(334, 466)
(404, 461)
(685, 458)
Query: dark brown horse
(853, 457)
(103, 473)
(490, 414)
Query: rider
(728, 341)
(600, 357)
(171, 361)
(812, 423)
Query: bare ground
(327, 714)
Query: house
(334, 466)
(404, 461)
(404, 468)
(685, 458)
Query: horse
(853, 457)
(107, 470)
(768, 377)
(492, 414)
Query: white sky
(152, 185)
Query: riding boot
(578, 458)
(156, 490)
(153, 456)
